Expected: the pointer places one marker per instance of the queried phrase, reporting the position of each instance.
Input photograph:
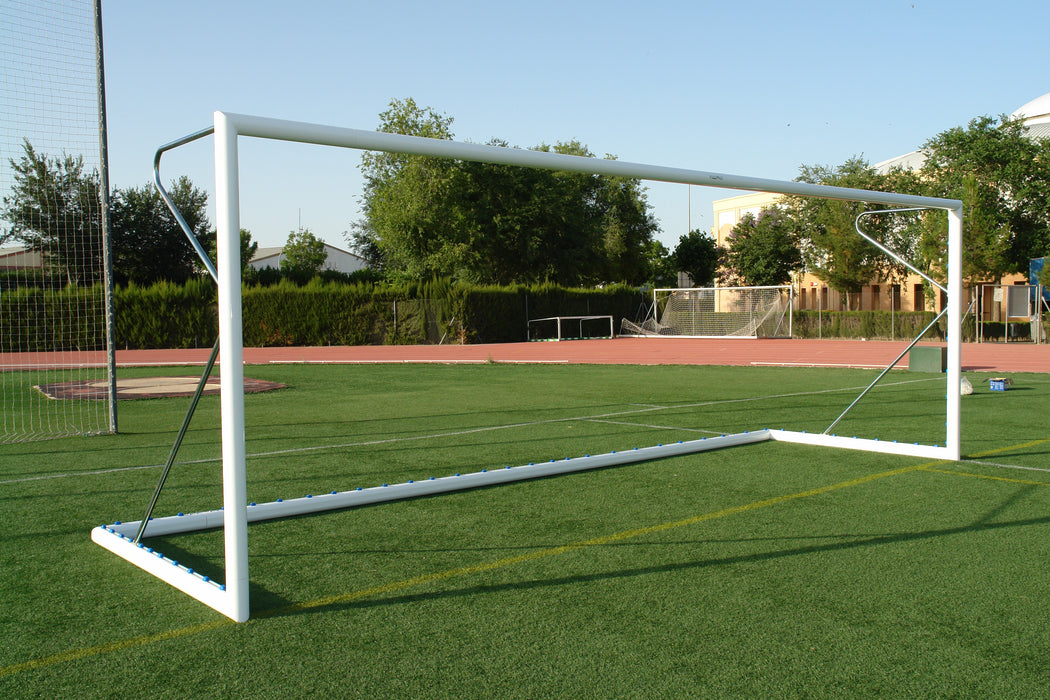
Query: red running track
(984, 357)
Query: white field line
(469, 431)
(1005, 466)
(653, 427)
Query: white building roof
(338, 259)
(1035, 112)
(1036, 115)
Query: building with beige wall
(909, 295)
(810, 291)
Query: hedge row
(880, 325)
(178, 316)
(31, 278)
(339, 314)
(40, 320)
(166, 315)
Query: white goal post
(231, 598)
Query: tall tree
(832, 249)
(764, 250)
(304, 255)
(660, 264)
(54, 208)
(698, 255)
(406, 198)
(498, 224)
(1003, 178)
(148, 244)
(628, 227)
(248, 249)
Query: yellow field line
(394, 586)
(1000, 450)
(594, 542)
(74, 654)
(986, 476)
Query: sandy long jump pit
(145, 388)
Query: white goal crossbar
(231, 598)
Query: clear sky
(751, 88)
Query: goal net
(54, 296)
(717, 312)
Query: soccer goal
(717, 312)
(231, 596)
(570, 328)
(56, 319)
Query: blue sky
(755, 88)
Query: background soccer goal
(55, 305)
(717, 312)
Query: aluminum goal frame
(231, 598)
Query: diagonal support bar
(201, 253)
(178, 440)
(884, 372)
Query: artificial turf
(765, 570)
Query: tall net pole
(55, 289)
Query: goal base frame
(119, 538)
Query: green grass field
(766, 570)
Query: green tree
(628, 227)
(406, 200)
(1003, 178)
(429, 217)
(248, 248)
(764, 250)
(54, 208)
(147, 242)
(831, 247)
(304, 255)
(698, 255)
(661, 266)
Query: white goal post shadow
(232, 598)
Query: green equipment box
(927, 359)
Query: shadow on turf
(261, 610)
(261, 599)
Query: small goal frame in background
(231, 598)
